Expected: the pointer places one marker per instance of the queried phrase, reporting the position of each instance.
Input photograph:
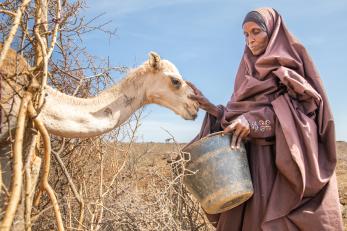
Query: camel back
(13, 79)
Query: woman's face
(256, 38)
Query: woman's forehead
(248, 26)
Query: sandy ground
(341, 172)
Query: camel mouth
(191, 111)
(191, 116)
(194, 116)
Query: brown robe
(291, 147)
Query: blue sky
(203, 38)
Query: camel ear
(154, 60)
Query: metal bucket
(222, 179)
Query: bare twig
(28, 184)
(17, 180)
(13, 31)
(10, 13)
(73, 188)
(47, 159)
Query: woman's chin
(257, 52)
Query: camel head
(167, 88)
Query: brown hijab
(285, 78)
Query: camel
(156, 81)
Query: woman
(280, 106)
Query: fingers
(230, 128)
(190, 84)
(243, 135)
(238, 136)
(193, 97)
(235, 138)
(195, 89)
(240, 131)
(200, 99)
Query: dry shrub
(124, 185)
(105, 183)
(109, 182)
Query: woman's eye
(256, 32)
(176, 82)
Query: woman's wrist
(214, 110)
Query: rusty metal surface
(222, 179)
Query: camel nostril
(196, 107)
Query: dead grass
(151, 174)
(146, 195)
(341, 172)
(156, 160)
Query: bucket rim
(222, 133)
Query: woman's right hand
(204, 103)
(239, 128)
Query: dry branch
(73, 188)
(29, 185)
(112, 193)
(8, 13)
(13, 30)
(47, 161)
(17, 179)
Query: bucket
(220, 178)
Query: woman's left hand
(240, 130)
(204, 103)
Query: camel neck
(69, 116)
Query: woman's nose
(251, 39)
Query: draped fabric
(291, 147)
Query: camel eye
(176, 82)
